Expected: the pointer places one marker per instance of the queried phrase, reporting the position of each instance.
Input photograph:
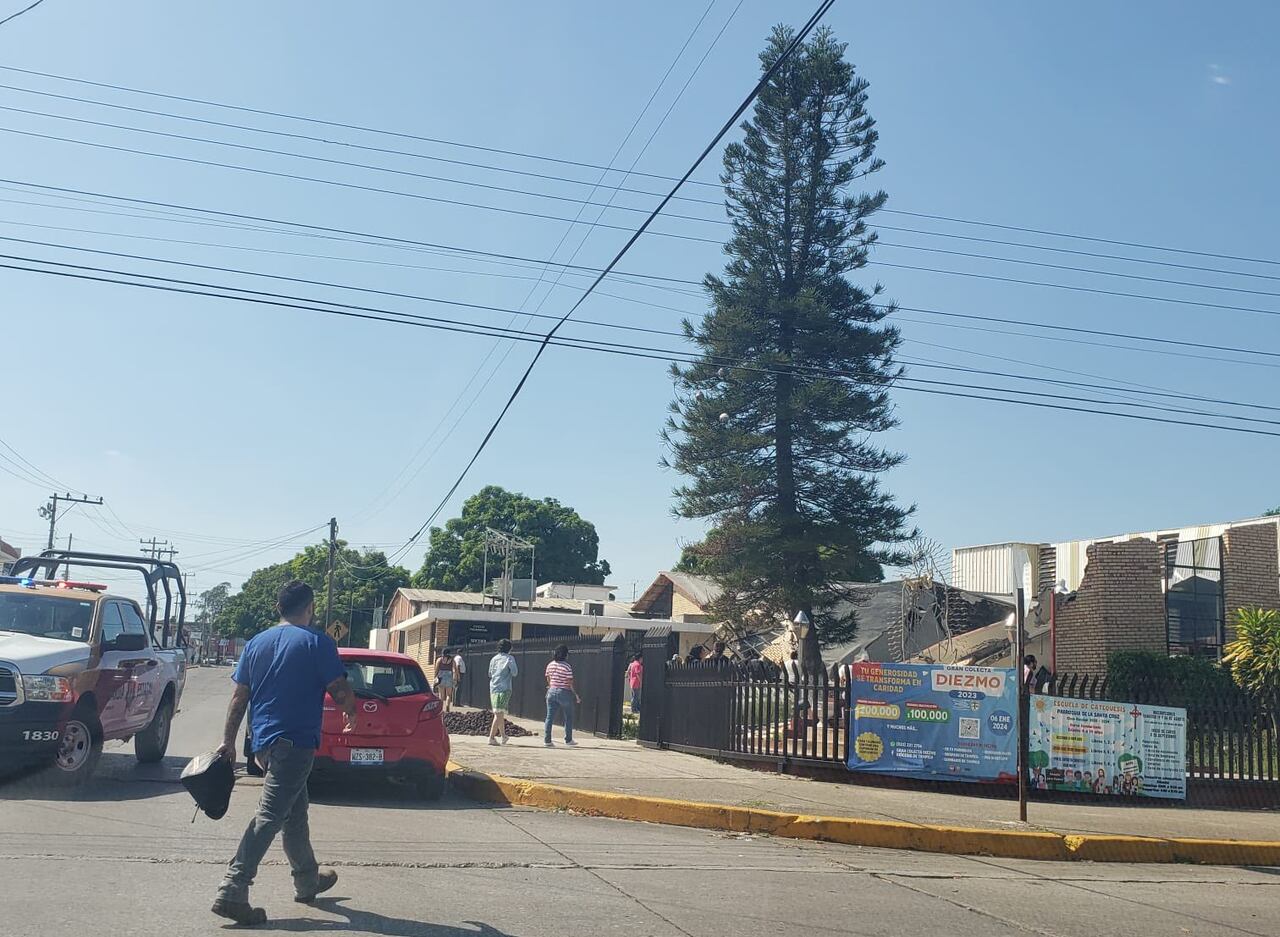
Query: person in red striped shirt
(561, 695)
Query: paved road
(124, 857)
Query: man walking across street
(501, 669)
(282, 678)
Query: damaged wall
(1249, 571)
(1118, 607)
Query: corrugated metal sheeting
(997, 568)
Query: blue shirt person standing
(281, 679)
(502, 668)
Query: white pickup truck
(79, 666)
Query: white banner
(1101, 747)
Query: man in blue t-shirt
(281, 679)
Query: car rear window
(46, 616)
(385, 679)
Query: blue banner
(934, 721)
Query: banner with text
(1095, 746)
(934, 721)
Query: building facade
(1174, 591)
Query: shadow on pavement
(118, 777)
(380, 793)
(370, 922)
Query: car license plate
(366, 756)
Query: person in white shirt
(459, 668)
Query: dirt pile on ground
(478, 723)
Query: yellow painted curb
(854, 831)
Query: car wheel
(151, 743)
(79, 749)
(431, 788)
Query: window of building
(1193, 596)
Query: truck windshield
(46, 616)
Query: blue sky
(218, 425)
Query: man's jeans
(559, 700)
(282, 809)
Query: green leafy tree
(213, 601)
(361, 583)
(567, 547)
(1254, 655)
(1272, 513)
(774, 423)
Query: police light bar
(30, 583)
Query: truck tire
(150, 744)
(78, 750)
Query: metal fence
(598, 666)
(1233, 745)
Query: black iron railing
(730, 710)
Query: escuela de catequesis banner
(1093, 746)
(933, 721)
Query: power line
(685, 312)
(665, 279)
(565, 162)
(544, 268)
(14, 16)
(485, 308)
(665, 355)
(562, 198)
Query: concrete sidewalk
(624, 767)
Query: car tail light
(430, 709)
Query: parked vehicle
(80, 666)
(399, 733)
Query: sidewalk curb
(853, 831)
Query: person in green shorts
(502, 668)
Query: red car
(399, 731)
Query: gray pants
(283, 810)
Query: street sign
(337, 631)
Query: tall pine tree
(773, 424)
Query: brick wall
(1118, 607)
(1249, 571)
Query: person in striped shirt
(561, 695)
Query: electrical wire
(590, 228)
(1136, 387)
(523, 192)
(27, 9)
(400, 318)
(1024, 229)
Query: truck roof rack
(155, 572)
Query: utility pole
(66, 570)
(333, 552)
(154, 547)
(50, 510)
(1024, 702)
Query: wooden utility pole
(50, 510)
(333, 552)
